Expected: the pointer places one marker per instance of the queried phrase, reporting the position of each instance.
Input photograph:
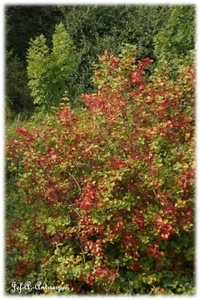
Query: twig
(112, 281)
(75, 181)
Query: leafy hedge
(107, 194)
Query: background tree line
(160, 32)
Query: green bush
(49, 70)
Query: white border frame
(2, 124)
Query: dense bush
(106, 200)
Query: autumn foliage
(107, 203)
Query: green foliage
(94, 28)
(49, 71)
(175, 42)
(107, 194)
(11, 125)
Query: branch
(112, 281)
(75, 181)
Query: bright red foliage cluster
(108, 201)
